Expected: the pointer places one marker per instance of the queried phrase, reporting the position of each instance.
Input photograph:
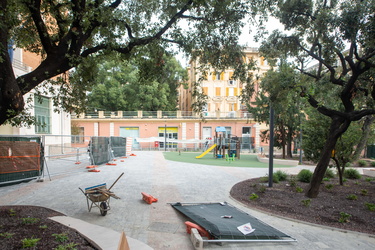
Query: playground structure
(224, 145)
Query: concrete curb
(100, 237)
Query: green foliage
(352, 173)
(372, 164)
(61, 237)
(306, 202)
(352, 197)
(147, 82)
(326, 179)
(262, 189)
(30, 220)
(364, 192)
(207, 30)
(281, 175)
(264, 179)
(369, 179)
(299, 189)
(344, 217)
(69, 246)
(304, 175)
(293, 181)
(362, 163)
(6, 235)
(12, 212)
(329, 186)
(253, 197)
(276, 89)
(329, 173)
(327, 35)
(29, 242)
(370, 206)
(43, 226)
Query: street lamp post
(270, 167)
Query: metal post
(300, 145)
(270, 168)
(165, 137)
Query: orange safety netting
(19, 156)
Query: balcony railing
(163, 115)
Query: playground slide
(205, 152)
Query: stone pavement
(158, 225)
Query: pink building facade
(176, 132)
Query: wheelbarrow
(100, 196)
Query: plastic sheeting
(223, 222)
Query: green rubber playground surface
(246, 161)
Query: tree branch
(34, 8)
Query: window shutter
(214, 76)
(218, 91)
(230, 75)
(205, 90)
(227, 91)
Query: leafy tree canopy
(142, 83)
(332, 43)
(68, 33)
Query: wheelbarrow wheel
(103, 208)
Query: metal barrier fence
(21, 158)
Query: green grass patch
(246, 161)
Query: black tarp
(213, 217)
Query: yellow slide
(205, 152)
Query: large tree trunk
(337, 128)
(289, 143)
(11, 99)
(366, 129)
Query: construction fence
(23, 158)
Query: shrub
(292, 181)
(12, 212)
(262, 189)
(329, 173)
(299, 189)
(352, 197)
(370, 206)
(264, 179)
(364, 192)
(362, 163)
(281, 175)
(306, 202)
(373, 164)
(6, 235)
(344, 217)
(29, 242)
(61, 237)
(369, 179)
(71, 246)
(30, 220)
(329, 186)
(275, 179)
(352, 173)
(304, 175)
(253, 197)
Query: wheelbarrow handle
(116, 181)
(82, 191)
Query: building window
(246, 130)
(42, 114)
(78, 134)
(171, 133)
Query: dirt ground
(23, 225)
(332, 205)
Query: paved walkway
(159, 225)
